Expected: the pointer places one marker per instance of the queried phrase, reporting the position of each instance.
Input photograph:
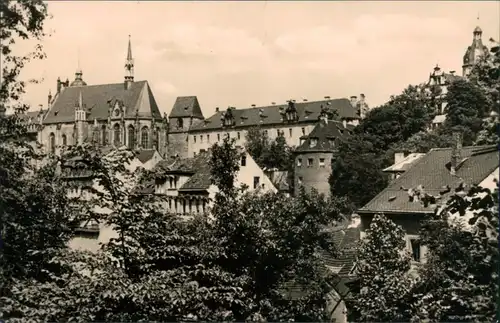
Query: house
(431, 180)
(401, 164)
(316, 154)
(90, 234)
(187, 185)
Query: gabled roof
(198, 167)
(97, 99)
(432, 173)
(307, 112)
(345, 240)
(324, 133)
(186, 106)
(145, 155)
(405, 164)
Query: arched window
(52, 143)
(104, 135)
(131, 137)
(144, 137)
(116, 135)
(64, 140)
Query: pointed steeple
(78, 74)
(129, 66)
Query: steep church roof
(186, 106)
(97, 99)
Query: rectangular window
(208, 138)
(322, 162)
(265, 132)
(303, 131)
(290, 131)
(171, 180)
(239, 136)
(299, 162)
(256, 181)
(243, 160)
(310, 162)
(218, 137)
(201, 138)
(194, 139)
(299, 181)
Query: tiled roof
(432, 173)
(186, 106)
(324, 134)
(307, 112)
(198, 167)
(405, 164)
(145, 155)
(97, 99)
(31, 116)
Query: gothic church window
(117, 135)
(52, 143)
(64, 140)
(145, 137)
(131, 137)
(104, 135)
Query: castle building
(118, 114)
(315, 156)
(439, 80)
(190, 133)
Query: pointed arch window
(104, 135)
(116, 135)
(157, 138)
(144, 137)
(131, 137)
(52, 143)
(64, 140)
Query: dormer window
(313, 142)
(180, 123)
(228, 118)
(291, 112)
(332, 142)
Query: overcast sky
(241, 53)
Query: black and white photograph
(249, 161)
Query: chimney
(273, 103)
(456, 152)
(354, 100)
(59, 84)
(327, 97)
(216, 109)
(398, 157)
(49, 100)
(253, 105)
(305, 100)
(452, 72)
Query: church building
(118, 114)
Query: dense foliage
(380, 293)
(269, 153)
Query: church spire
(78, 74)
(129, 66)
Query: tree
(382, 268)
(21, 20)
(357, 170)
(462, 288)
(269, 154)
(268, 240)
(422, 142)
(467, 107)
